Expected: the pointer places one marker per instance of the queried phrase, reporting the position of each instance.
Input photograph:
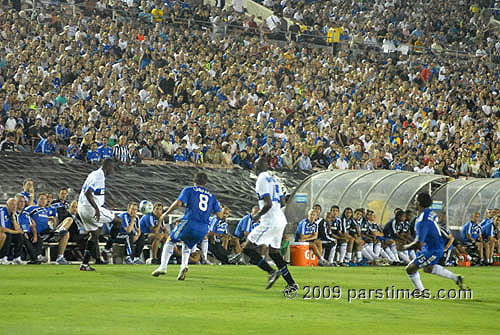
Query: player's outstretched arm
(176, 204)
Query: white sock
(204, 249)
(386, 255)
(348, 256)
(369, 250)
(186, 252)
(415, 279)
(343, 248)
(60, 256)
(390, 254)
(376, 249)
(404, 257)
(331, 257)
(440, 271)
(395, 253)
(367, 254)
(167, 252)
(359, 256)
(412, 254)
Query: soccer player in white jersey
(90, 208)
(270, 231)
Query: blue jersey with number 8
(200, 204)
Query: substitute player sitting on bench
(307, 231)
(47, 226)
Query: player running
(193, 227)
(92, 213)
(270, 230)
(429, 240)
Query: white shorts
(270, 231)
(87, 214)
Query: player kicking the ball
(92, 213)
(193, 227)
(270, 230)
(428, 238)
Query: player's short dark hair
(360, 210)
(335, 206)
(201, 178)
(132, 203)
(424, 199)
(317, 205)
(107, 162)
(158, 204)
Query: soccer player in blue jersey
(471, 235)
(307, 231)
(45, 219)
(486, 226)
(130, 234)
(154, 230)
(200, 204)
(270, 230)
(429, 240)
(10, 232)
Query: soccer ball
(145, 207)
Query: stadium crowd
(398, 24)
(140, 86)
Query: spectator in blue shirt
(93, 155)
(179, 156)
(47, 145)
(106, 150)
(73, 150)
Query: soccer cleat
(42, 259)
(290, 291)
(62, 261)
(139, 261)
(4, 261)
(182, 273)
(206, 262)
(323, 263)
(158, 272)
(34, 263)
(156, 261)
(129, 260)
(460, 282)
(272, 279)
(86, 267)
(18, 261)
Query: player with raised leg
(193, 227)
(429, 240)
(270, 231)
(92, 213)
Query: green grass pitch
(122, 299)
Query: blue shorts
(189, 232)
(427, 257)
(381, 238)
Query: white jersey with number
(96, 182)
(267, 185)
(272, 224)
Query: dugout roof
(380, 190)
